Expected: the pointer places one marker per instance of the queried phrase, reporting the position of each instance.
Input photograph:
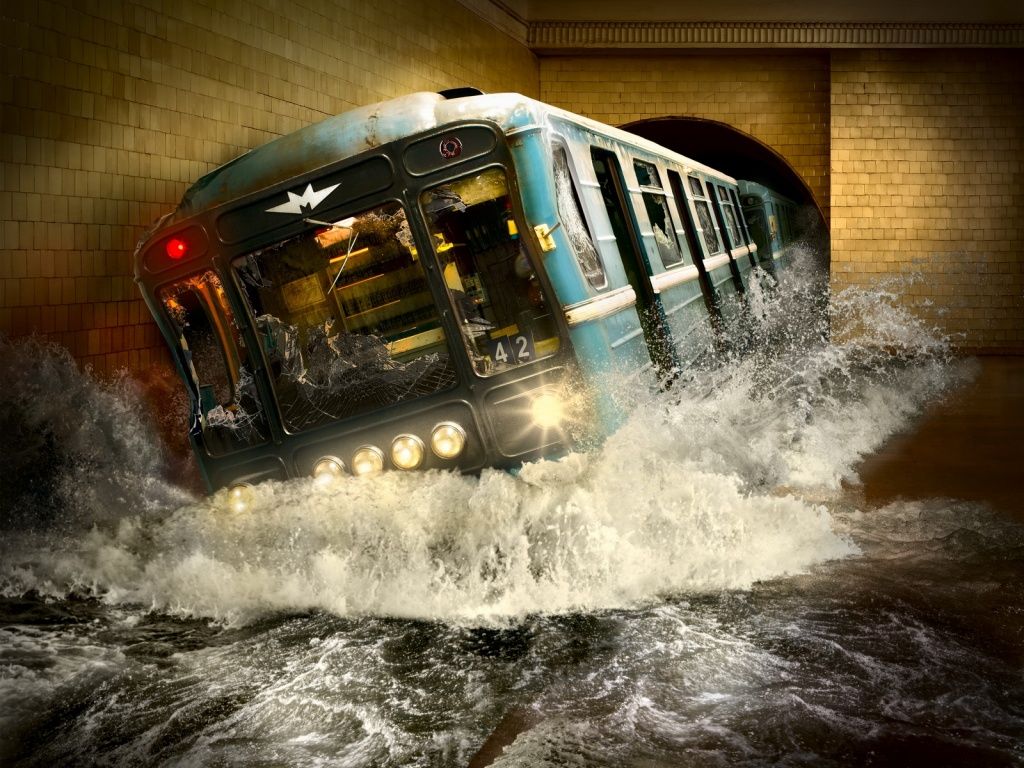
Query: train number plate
(512, 350)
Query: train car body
(435, 282)
(772, 220)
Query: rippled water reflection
(702, 590)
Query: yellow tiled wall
(111, 109)
(781, 99)
(928, 183)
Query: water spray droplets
(699, 490)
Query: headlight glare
(447, 440)
(547, 410)
(367, 460)
(407, 451)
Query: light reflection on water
(699, 591)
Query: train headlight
(367, 460)
(407, 451)
(328, 471)
(240, 498)
(547, 410)
(447, 440)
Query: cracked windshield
(346, 318)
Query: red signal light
(176, 248)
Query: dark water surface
(707, 588)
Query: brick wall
(928, 179)
(111, 109)
(781, 99)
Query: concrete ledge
(555, 36)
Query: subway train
(441, 281)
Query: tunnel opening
(742, 156)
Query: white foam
(698, 491)
(585, 533)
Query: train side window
(683, 211)
(570, 212)
(728, 214)
(653, 195)
(227, 408)
(704, 217)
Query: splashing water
(697, 586)
(701, 468)
(76, 451)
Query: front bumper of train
(504, 425)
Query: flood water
(705, 589)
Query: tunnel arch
(730, 150)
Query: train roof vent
(458, 93)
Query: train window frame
(685, 212)
(656, 195)
(700, 198)
(724, 202)
(234, 360)
(407, 351)
(560, 146)
(514, 344)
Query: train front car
(339, 310)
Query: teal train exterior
(772, 219)
(441, 281)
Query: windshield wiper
(351, 244)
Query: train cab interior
(504, 316)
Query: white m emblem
(304, 203)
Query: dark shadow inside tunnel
(738, 154)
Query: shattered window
(571, 214)
(346, 319)
(228, 411)
(657, 213)
(704, 217)
(505, 316)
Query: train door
(712, 298)
(227, 408)
(634, 260)
(758, 224)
